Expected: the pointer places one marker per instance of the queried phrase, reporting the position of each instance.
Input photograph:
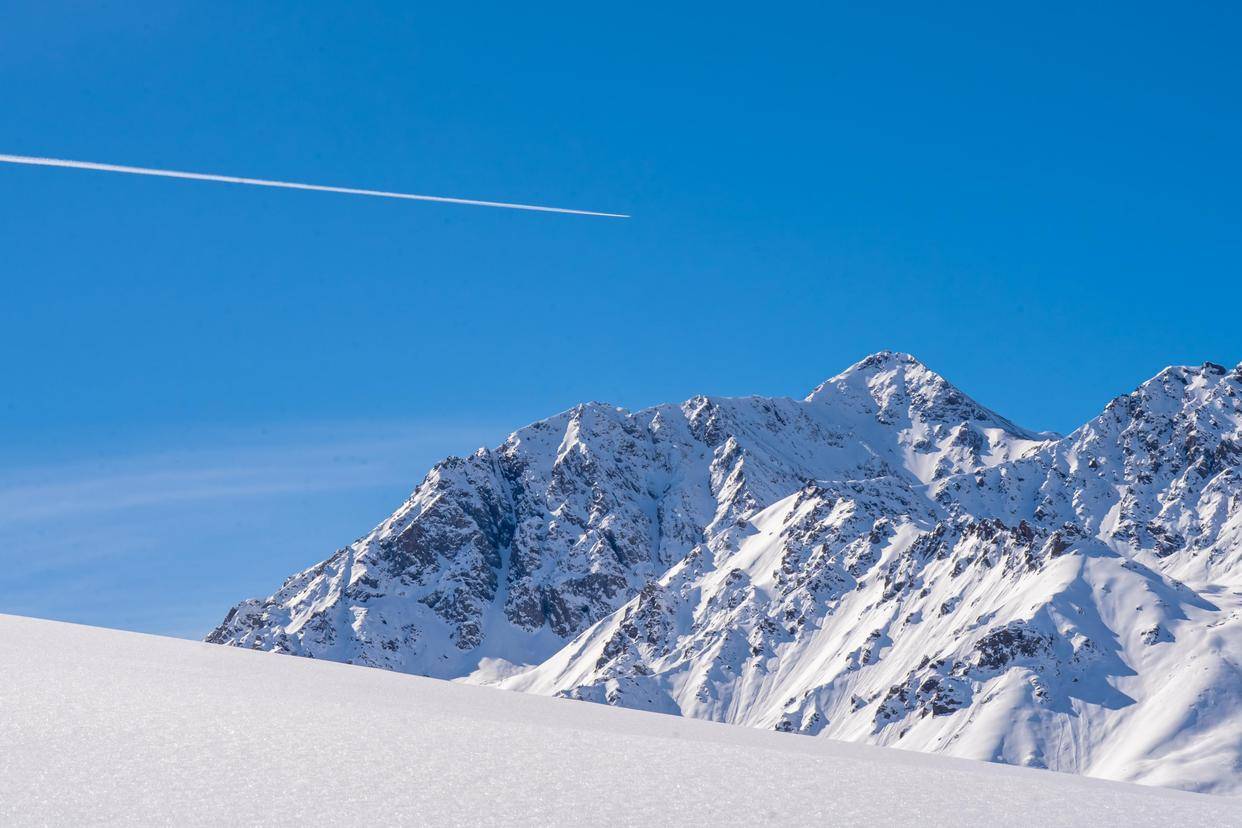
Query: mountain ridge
(885, 560)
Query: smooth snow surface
(99, 726)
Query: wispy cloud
(299, 460)
(164, 539)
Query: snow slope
(884, 561)
(108, 727)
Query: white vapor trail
(288, 185)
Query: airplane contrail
(288, 185)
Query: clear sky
(207, 387)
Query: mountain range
(884, 561)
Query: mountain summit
(884, 561)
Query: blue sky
(206, 387)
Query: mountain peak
(1179, 388)
(879, 368)
(883, 361)
(892, 386)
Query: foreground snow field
(101, 726)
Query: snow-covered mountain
(884, 561)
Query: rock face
(884, 561)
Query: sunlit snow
(106, 727)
